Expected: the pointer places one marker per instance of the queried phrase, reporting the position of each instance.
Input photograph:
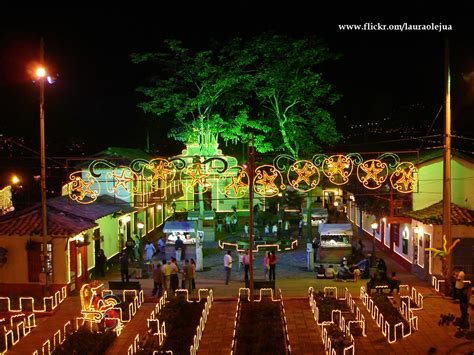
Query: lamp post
(374, 227)
(41, 75)
(140, 226)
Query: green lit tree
(204, 94)
(289, 92)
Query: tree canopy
(270, 86)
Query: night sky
(93, 104)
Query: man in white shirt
(459, 282)
(227, 266)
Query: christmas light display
(239, 182)
(80, 189)
(403, 179)
(303, 175)
(268, 181)
(142, 177)
(337, 169)
(372, 173)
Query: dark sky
(94, 102)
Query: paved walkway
(217, 337)
(305, 338)
(47, 326)
(138, 325)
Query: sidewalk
(218, 332)
(138, 325)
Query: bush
(85, 342)
(181, 318)
(260, 329)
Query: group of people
(269, 265)
(166, 276)
(344, 273)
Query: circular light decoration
(119, 179)
(235, 181)
(403, 178)
(266, 179)
(303, 175)
(337, 168)
(372, 173)
(162, 173)
(81, 191)
(197, 176)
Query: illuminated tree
(204, 94)
(290, 94)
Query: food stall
(186, 230)
(318, 216)
(335, 235)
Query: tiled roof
(28, 222)
(434, 215)
(104, 206)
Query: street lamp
(140, 226)
(374, 227)
(41, 75)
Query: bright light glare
(15, 179)
(40, 72)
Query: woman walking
(272, 265)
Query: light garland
(337, 169)
(302, 175)
(307, 175)
(403, 179)
(372, 173)
(266, 179)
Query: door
(427, 263)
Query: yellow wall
(430, 184)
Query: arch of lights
(148, 176)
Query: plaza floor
(294, 279)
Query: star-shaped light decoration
(375, 171)
(159, 168)
(308, 174)
(121, 180)
(402, 179)
(197, 177)
(337, 168)
(81, 189)
(264, 180)
(237, 188)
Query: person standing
(166, 275)
(266, 263)
(130, 247)
(174, 279)
(459, 282)
(275, 230)
(246, 230)
(246, 262)
(178, 246)
(158, 281)
(161, 245)
(227, 266)
(100, 262)
(272, 264)
(300, 227)
(188, 275)
(287, 229)
(149, 251)
(123, 260)
(193, 265)
(464, 300)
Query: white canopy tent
(335, 235)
